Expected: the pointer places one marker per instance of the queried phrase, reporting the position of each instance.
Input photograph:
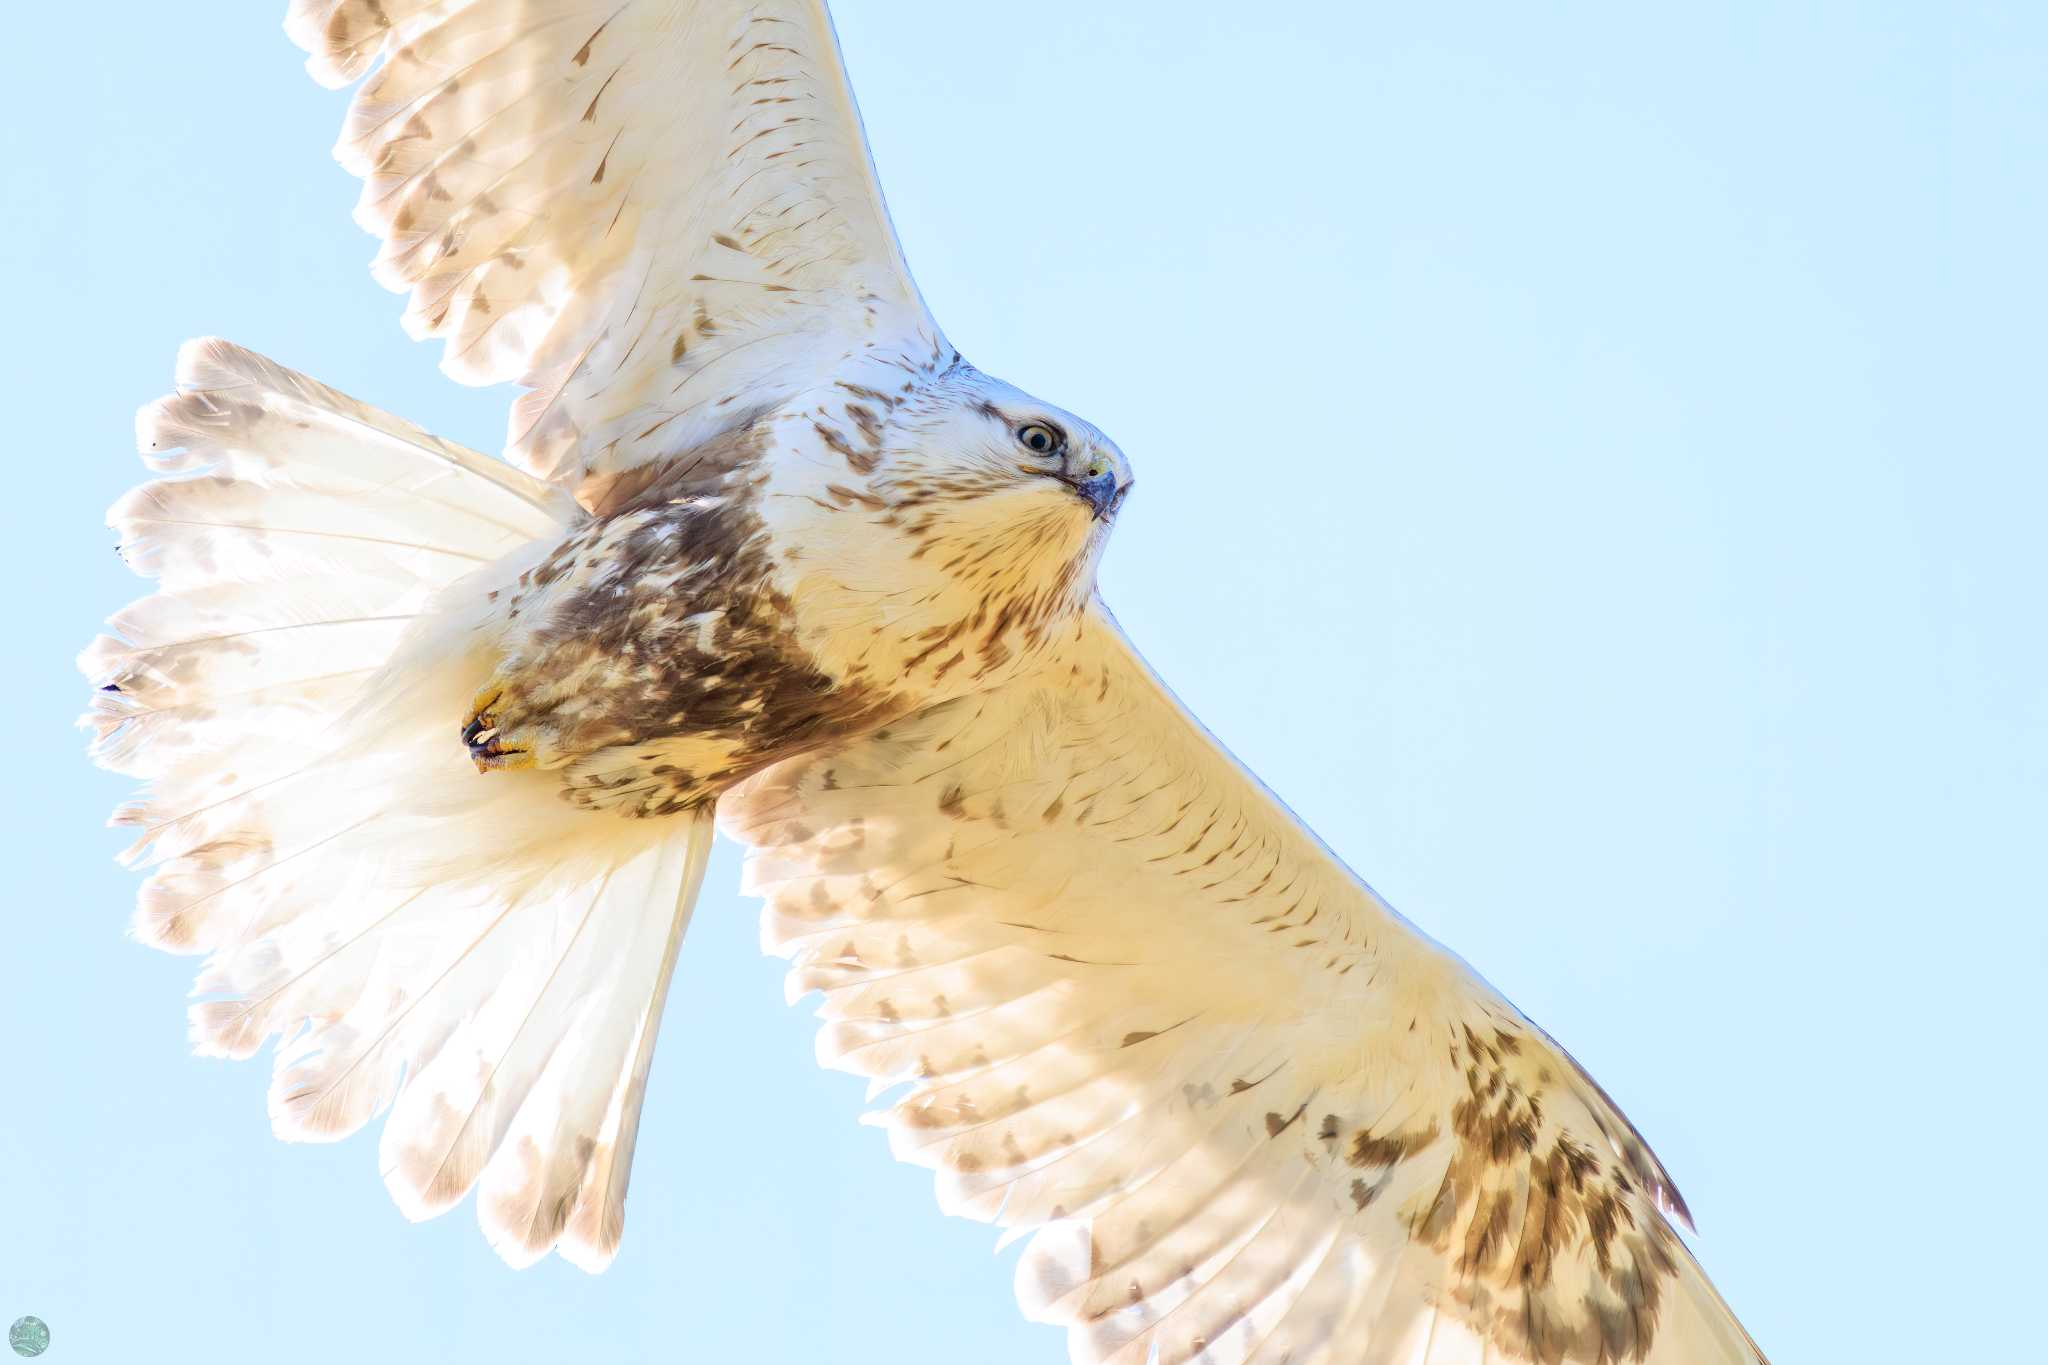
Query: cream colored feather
(1250, 1112)
(659, 215)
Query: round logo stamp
(29, 1336)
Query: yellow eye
(1040, 439)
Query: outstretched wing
(1253, 1114)
(659, 215)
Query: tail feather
(561, 1175)
(469, 953)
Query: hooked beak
(1102, 484)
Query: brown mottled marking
(888, 401)
(590, 112)
(700, 686)
(869, 424)
(851, 495)
(1370, 1149)
(582, 57)
(1516, 1200)
(1275, 1125)
(698, 472)
(861, 462)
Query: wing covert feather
(658, 215)
(1252, 1114)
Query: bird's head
(1005, 490)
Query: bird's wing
(658, 215)
(1253, 1114)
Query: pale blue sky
(1590, 463)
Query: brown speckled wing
(1252, 1114)
(659, 215)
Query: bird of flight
(435, 745)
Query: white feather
(468, 952)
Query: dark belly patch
(655, 663)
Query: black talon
(486, 749)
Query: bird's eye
(1040, 439)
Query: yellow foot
(489, 747)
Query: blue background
(1590, 462)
